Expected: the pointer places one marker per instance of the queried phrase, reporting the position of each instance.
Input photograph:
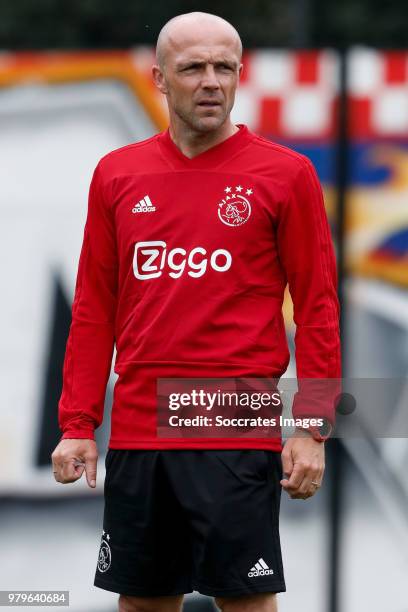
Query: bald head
(194, 29)
(198, 69)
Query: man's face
(200, 80)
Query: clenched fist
(303, 464)
(72, 457)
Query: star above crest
(236, 192)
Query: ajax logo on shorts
(105, 557)
(235, 209)
(260, 569)
(152, 259)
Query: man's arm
(306, 252)
(90, 344)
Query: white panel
(246, 108)
(272, 72)
(390, 110)
(366, 71)
(305, 112)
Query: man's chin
(208, 124)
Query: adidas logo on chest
(144, 206)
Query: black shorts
(177, 521)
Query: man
(190, 239)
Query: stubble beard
(201, 124)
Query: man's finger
(68, 472)
(287, 462)
(287, 465)
(79, 468)
(308, 488)
(311, 481)
(56, 469)
(90, 468)
(296, 478)
(301, 495)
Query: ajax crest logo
(235, 208)
(104, 558)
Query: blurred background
(328, 79)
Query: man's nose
(209, 80)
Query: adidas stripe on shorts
(177, 521)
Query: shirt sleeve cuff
(78, 434)
(319, 433)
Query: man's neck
(192, 143)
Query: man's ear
(158, 78)
(240, 69)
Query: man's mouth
(208, 103)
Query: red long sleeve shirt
(183, 265)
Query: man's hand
(71, 457)
(303, 464)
